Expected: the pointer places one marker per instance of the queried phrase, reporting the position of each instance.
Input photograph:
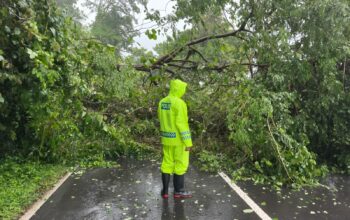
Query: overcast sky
(164, 6)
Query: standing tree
(71, 10)
(114, 23)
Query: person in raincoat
(176, 139)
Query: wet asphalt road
(309, 203)
(133, 192)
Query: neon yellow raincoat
(174, 130)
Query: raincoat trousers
(174, 130)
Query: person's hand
(188, 149)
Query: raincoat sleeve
(181, 121)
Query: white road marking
(245, 197)
(36, 206)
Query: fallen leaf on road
(248, 210)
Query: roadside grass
(22, 183)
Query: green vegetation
(62, 101)
(60, 93)
(23, 182)
(269, 85)
(268, 95)
(114, 21)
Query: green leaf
(2, 100)
(268, 163)
(151, 34)
(17, 31)
(111, 48)
(53, 31)
(31, 53)
(7, 29)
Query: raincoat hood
(177, 88)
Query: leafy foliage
(54, 87)
(262, 129)
(210, 162)
(70, 9)
(284, 88)
(114, 21)
(22, 182)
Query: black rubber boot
(165, 180)
(179, 187)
